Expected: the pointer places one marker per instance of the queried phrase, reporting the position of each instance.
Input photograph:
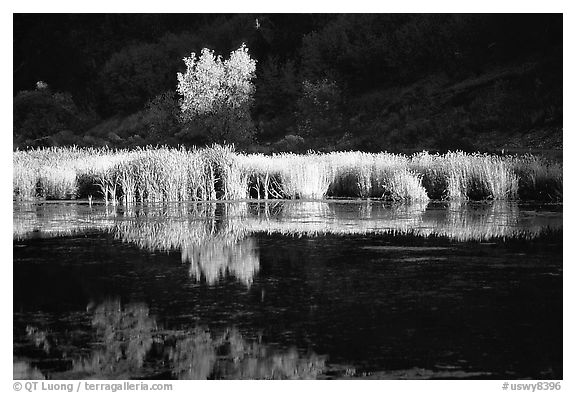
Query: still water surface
(287, 289)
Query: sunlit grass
(164, 174)
(458, 175)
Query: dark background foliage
(324, 81)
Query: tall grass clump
(263, 175)
(351, 174)
(462, 176)
(383, 175)
(539, 179)
(304, 176)
(46, 173)
(24, 179)
(165, 175)
(225, 172)
(286, 175)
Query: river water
(287, 289)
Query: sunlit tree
(217, 94)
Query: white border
(298, 6)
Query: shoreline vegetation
(163, 174)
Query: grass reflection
(215, 238)
(174, 227)
(35, 220)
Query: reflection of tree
(39, 337)
(127, 336)
(257, 361)
(194, 355)
(230, 356)
(214, 260)
(23, 370)
(130, 344)
(208, 235)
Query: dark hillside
(325, 82)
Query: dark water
(288, 290)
